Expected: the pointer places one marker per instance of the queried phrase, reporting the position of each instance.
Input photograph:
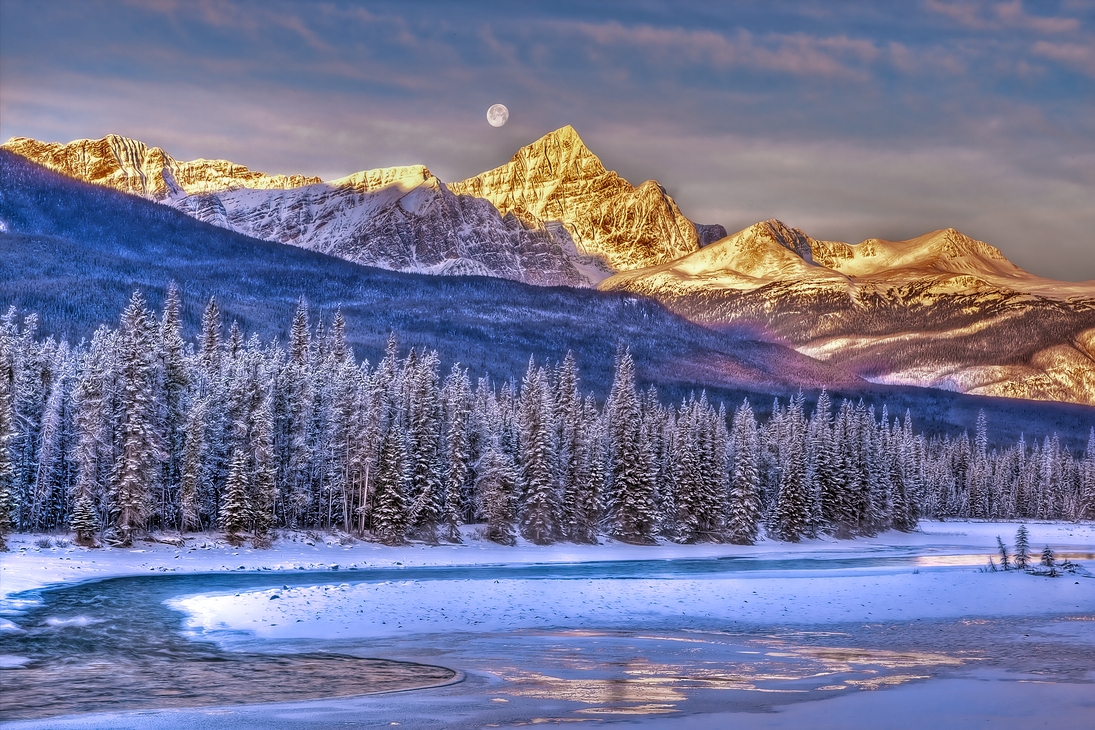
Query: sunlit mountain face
(940, 310)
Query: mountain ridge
(574, 224)
(942, 310)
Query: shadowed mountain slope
(552, 216)
(74, 252)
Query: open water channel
(114, 645)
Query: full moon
(497, 115)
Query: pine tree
(1022, 548)
(577, 506)
(176, 383)
(137, 464)
(745, 505)
(632, 511)
(1005, 560)
(495, 485)
(792, 501)
(458, 450)
(1048, 557)
(234, 510)
(264, 487)
(424, 425)
(84, 522)
(7, 472)
(1087, 480)
(538, 508)
(210, 353)
(389, 513)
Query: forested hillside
(139, 429)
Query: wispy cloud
(1080, 56)
(981, 15)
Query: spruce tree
(1022, 548)
(389, 512)
(632, 510)
(1087, 480)
(264, 486)
(176, 382)
(1047, 557)
(137, 464)
(1005, 559)
(234, 510)
(744, 511)
(792, 501)
(210, 351)
(424, 426)
(7, 472)
(458, 450)
(495, 485)
(84, 521)
(538, 508)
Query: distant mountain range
(941, 310)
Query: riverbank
(38, 560)
(774, 635)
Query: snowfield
(659, 646)
(29, 565)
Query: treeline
(139, 429)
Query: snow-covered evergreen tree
(745, 509)
(390, 518)
(457, 451)
(538, 509)
(7, 471)
(495, 485)
(631, 498)
(138, 463)
(235, 511)
(792, 508)
(1022, 548)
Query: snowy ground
(654, 649)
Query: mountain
(74, 253)
(552, 216)
(557, 180)
(942, 310)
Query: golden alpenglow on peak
(558, 180)
(133, 167)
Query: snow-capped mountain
(941, 310)
(553, 215)
(556, 179)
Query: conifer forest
(140, 430)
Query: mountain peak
(557, 180)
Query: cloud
(795, 54)
(994, 16)
(1080, 57)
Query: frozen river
(773, 639)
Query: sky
(846, 119)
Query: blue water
(113, 644)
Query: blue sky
(846, 119)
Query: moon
(497, 115)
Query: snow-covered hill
(940, 310)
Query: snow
(523, 640)
(29, 566)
